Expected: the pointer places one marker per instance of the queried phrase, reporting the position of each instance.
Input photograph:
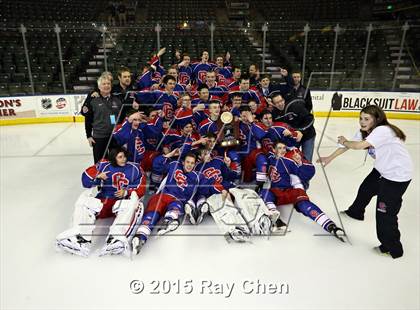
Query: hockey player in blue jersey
(152, 73)
(216, 89)
(248, 93)
(179, 187)
(173, 71)
(223, 69)
(119, 180)
(188, 113)
(285, 175)
(185, 139)
(134, 133)
(185, 70)
(200, 68)
(214, 170)
(236, 76)
(166, 100)
(267, 133)
(203, 100)
(250, 151)
(213, 125)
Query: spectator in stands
(122, 14)
(101, 115)
(299, 91)
(112, 13)
(297, 117)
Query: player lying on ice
(122, 184)
(179, 187)
(286, 170)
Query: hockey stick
(322, 166)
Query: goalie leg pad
(127, 216)
(84, 216)
(253, 210)
(227, 216)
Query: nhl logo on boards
(46, 103)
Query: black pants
(100, 148)
(388, 205)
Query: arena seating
(307, 10)
(287, 42)
(132, 46)
(180, 11)
(77, 47)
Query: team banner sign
(49, 108)
(17, 107)
(343, 101)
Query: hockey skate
(137, 244)
(191, 213)
(333, 229)
(75, 245)
(202, 210)
(264, 226)
(274, 215)
(114, 246)
(167, 226)
(279, 227)
(238, 235)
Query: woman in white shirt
(388, 180)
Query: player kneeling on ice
(283, 173)
(122, 185)
(181, 181)
(241, 213)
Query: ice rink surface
(41, 167)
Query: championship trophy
(229, 137)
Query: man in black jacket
(297, 116)
(101, 115)
(298, 91)
(124, 90)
